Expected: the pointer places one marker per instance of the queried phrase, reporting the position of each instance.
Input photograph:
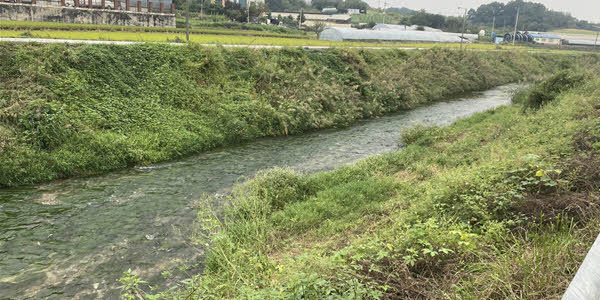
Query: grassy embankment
(80, 110)
(501, 205)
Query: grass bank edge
(502, 204)
(147, 103)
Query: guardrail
(586, 283)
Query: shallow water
(75, 238)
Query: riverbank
(78, 110)
(139, 218)
(502, 204)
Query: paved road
(95, 42)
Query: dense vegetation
(501, 205)
(532, 16)
(84, 109)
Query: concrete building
(546, 38)
(83, 12)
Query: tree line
(532, 16)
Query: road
(96, 42)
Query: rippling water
(74, 238)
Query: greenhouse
(404, 27)
(353, 34)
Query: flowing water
(74, 238)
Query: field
(237, 29)
(230, 39)
(575, 31)
(501, 205)
(222, 39)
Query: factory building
(546, 38)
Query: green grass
(576, 31)
(76, 110)
(207, 28)
(226, 39)
(501, 205)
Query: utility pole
(187, 20)
(494, 18)
(300, 17)
(516, 22)
(596, 42)
(248, 4)
(384, 5)
(493, 23)
(201, 9)
(462, 37)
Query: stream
(74, 238)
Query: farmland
(575, 31)
(222, 39)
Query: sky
(582, 9)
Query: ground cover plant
(501, 205)
(197, 28)
(76, 110)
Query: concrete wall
(28, 12)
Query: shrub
(550, 88)
(419, 134)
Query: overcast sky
(582, 9)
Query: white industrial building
(546, 38)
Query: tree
(318, 28)
(532, 16)
(453, 24)
(340, 5)
(257, 9)
(353, 4)
(426, 19)
(301, 18)
(285, 5)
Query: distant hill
(403, 10)
(532, 16)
